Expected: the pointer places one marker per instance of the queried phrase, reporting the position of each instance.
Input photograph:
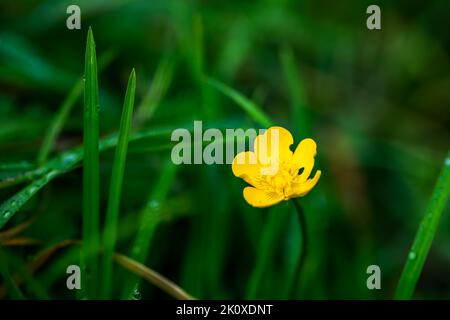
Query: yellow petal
(272, 147)
(261, 198)
(246, 166)
(301, 189)
(304, 158)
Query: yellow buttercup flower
(274, 171)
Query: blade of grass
(59, 120)
(158, 89)
(112, 215)
(14, 231)
(425, 234)
(91, 184)
(14, 173)
(12, 205)
(247, 105)
(153, 277)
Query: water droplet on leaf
(136, 295)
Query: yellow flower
(274, 171)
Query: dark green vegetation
(376, 102)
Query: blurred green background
(375, 101)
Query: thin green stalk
(58, 122)
(425, 234)
(91, 185)
(304, 248)
(112, 214)
(159, 86)
(246, 104)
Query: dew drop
(51, 175)
(6, 214)
(447, 162)
(154, 204)
(31, 191)
(136, 295)
(69, 158)
(412, 255)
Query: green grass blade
(112, 215)
(13, 204)
(158, 89)
(247, 105)
(153, 277)
(58, 123)
(14, 173)
(91, 184)
(425, 234)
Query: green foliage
(376, 103)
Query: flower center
(282, 181)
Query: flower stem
(304, 248)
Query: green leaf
(112, 215)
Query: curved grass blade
(10, 233)
(91, 173)
(112, 215)
(425, 234)
(152, 277)
(57, 124)
(11, 206)
(247, 105)
(158, 89)
(14, 173)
